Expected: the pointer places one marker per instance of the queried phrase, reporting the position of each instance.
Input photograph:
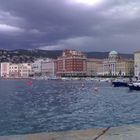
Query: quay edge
(128, 132)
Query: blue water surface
(47, 106)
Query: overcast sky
(86, 25)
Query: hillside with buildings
(28, 56)
(68, 63)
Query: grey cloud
(51, 24)
(121, 43)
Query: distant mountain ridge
(56, 53)
(103, 55)
(21, 55)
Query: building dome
(113, 54)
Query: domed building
(109, 64)
(113, 54)
(117, 66)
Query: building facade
(125, 67)
(4, 70)
(94, 67)
(109, 64)
(72, 63)
(117, 66)
(25, 70)
(37, 67)
(44, 67)
(14, 71)
(48, 68)
(10, 70)
(137, 64)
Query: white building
(44, 67)
(13, 71)
(10, 70)
(36, 67)
(48, 67)
(5, 70)
(109, 64)
(25, 70)
(137, 64)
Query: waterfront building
(109, 64)
(137, 64)
(4, 70)
(36, 67)
(44, 67)
(25, 70)
(114, 65)
(94, 67)
(72, 63)
(48, 67)
(125, 67)
(11, 70)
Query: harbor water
(56, 105)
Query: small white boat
(134, 85)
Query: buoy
(29, 83)
(83, 85)
(96, 88)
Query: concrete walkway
(130, 132)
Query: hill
(20, 55)
(102, 55)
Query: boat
(53, 78)
(105, 80)
(120, 83)
(134, 85)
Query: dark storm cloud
(51, 24)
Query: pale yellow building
(94, 67)
(125, 67)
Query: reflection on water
(48, 106)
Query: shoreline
(126, 132)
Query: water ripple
(56, 106)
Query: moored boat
(120, 83)
(134, 85)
